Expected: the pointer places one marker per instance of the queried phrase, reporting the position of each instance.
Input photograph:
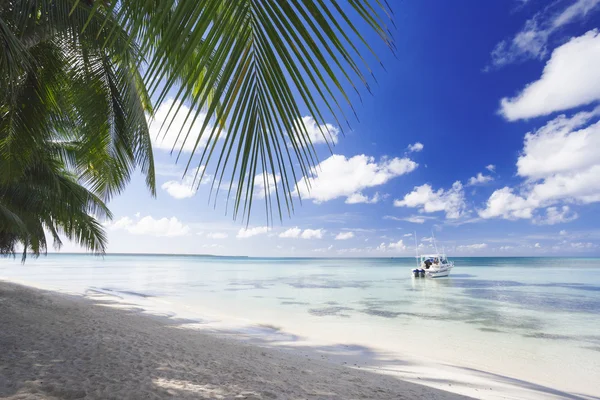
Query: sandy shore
(56, 346)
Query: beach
(497, 328)
(57, 346)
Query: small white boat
(433, 266)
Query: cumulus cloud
(556, 215)
(149, 226)
(295, 233)
(491, 168)
(560, 146)
(246, 233)
(167, 139)
(320, 133)
(344, 236)
(531, 42)
(357, 198)
(508, 205)
(291, 233)
(392, 246)
(451, 201)
(188, 186)
(217, 235)
(472, 247)
(566, 81)
(312, 234)
(480, 179)
(559, 164)
(418, 146)
(339, 176)
(266, 181)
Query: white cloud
(567, 81)
(291, 233)
(562, 233)
(408, 235)
(323, 249)
(357, 198)
(415, 219)
(537, 246)
(399, 245)
(392, 246)
(418, 146)
(149, 226)
(179, 190)
(312, 234)
(531, 42)
(504, 203)
(559, 147)
(555, 215)
(188, 186)
(294, 233)
(217, 235)
(583, 245)
(165, 139)
(451, 201)
(559, 164)
(480, 179)
(316, 131)
(246, 233)
(262, 181)
(339, 176)
(472, 247)
(491, 168)
(344, 236)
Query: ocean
(533, 323)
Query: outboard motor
(422, 271)
(415, 272)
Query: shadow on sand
(58, 347)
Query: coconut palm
(85, 74)
(72, 125)
(47, 198)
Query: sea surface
(530, 321)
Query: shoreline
(454, 376)
(60, 346)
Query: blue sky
(484, 129)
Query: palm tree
(72, 125)
(84, 75)
(48, 198)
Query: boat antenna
(416, 250)
(434, 242)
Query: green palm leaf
(254, 66)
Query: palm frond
(255, 66)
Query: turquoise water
(540, 316)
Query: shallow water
(527, 318)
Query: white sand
(56, 346)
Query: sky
(483, 129)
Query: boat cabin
(433, 260)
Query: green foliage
(72, 124)
(79, 78)
(253, 66)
